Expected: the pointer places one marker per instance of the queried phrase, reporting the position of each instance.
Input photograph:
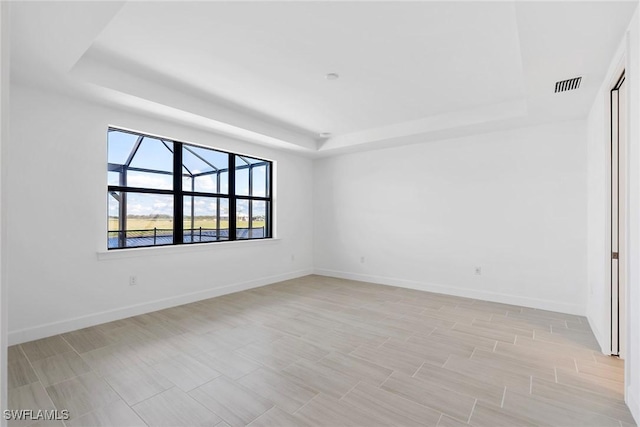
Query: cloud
(206, 183)
(138, 209)
(149, 204)
(145, 180)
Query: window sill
(179, 249)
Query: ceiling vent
(566, 85)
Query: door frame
(616, 250)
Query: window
(164, 192)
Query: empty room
(319, 213)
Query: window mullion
(269, 193)
(122, 214)
(232, 196)
(250, 202)
(218, 206)
(178, 233)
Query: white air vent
(566, 85)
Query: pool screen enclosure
(166, 192)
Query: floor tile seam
(261, 415)
(397, 396)
(563, 405)
(21, 351)
(29, 342)
(307, 403)
(147, 398)
(616, 406)
(273, 405)
(475, 348)
(598, 377)
(132, 407)
(472, 409)
(106, 383)
(505, 328)
(39, 380)
(382, 343)
(75, 376)
(184, 366)
(349, 391)
(413, 402)
(285, 377)
(530, 364)
(571, 408)
(610, 395)
(420, 367)
(75, 349)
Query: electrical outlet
(478, 271)
(293, 258)
(133, 280)
(361, 260)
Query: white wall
(598, 123)
(599, 208)
(56, 188)
(632, 364)
(425, 215)
(4, 131)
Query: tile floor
(319, 351)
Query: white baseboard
(603, 341)
(59, 327)
(633, 402)
(460, 292)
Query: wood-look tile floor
(320, 351)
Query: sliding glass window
(164, 192)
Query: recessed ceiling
(397, 61)
(408, 71)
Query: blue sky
(153, 154)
